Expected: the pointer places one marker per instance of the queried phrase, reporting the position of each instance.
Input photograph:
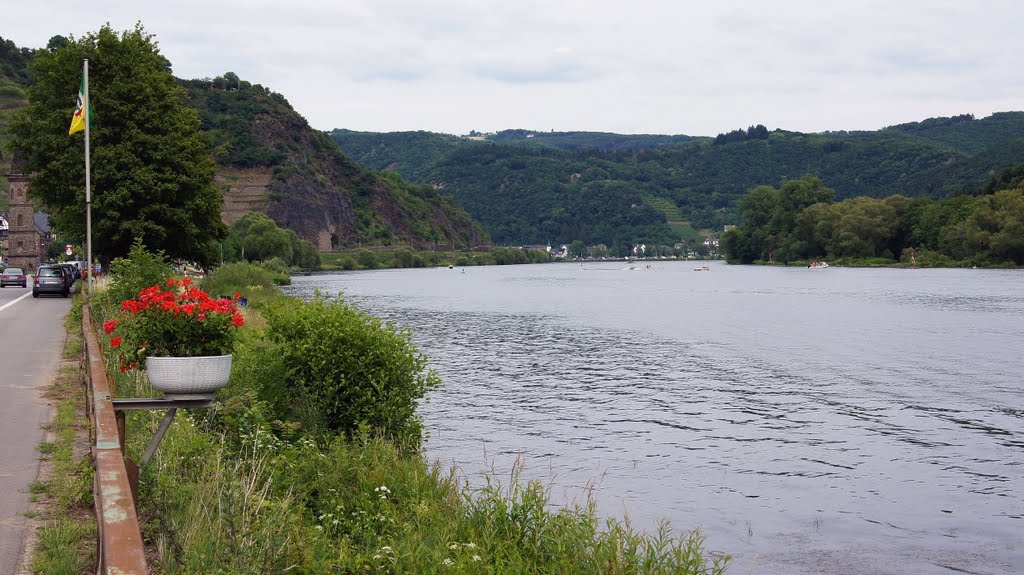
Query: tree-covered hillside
(964, 133)
(411, 154)
(586, 140)
(531, 192)
(14, 80)
(315, 189)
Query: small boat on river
(703, 268)
(817, 265)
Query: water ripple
(861, 409)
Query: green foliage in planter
(350, 370)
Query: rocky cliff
(271, 160)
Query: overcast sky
(640, 66)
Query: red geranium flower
(176, 319)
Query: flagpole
(88, 195)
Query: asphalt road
(31, 338)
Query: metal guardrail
(120, 539)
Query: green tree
(864, 228)
(152, 172)
(578, 249)
(255, 237)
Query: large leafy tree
(152, 170)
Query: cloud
(558, 65)
(657, 66)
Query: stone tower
(23, 245)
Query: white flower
(476, 558)
(320, 527)
(453, 546)
(448, 562)
(471, 545)
(386, 549)
(376, 556)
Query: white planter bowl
(180, 376)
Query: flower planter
(180, 377)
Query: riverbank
(264, 482)
(923, 263)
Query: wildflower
(453, 546)
(470, 545)
(476, 558)
(109, 326)
(447, 562)
(376, 556)
(115, 341)
(386, 549)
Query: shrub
(367, 260)
(350, 369)
(140, 270)
(251, 281)
(276, 265)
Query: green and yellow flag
(79, 119)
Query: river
(863, 421)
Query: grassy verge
(66, 541)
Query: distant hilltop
(534, 187)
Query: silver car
(13, 277)
(51, 279)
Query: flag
(78, 120)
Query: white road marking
(9, 304)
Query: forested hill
(530, 193)
(14, 78)
(586, 140)
(272, 161)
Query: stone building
(26, 245)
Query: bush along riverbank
(310, 463)
(366, 259)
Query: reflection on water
(839, 421)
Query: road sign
(67, 249)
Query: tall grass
(66, 543)
(364, 506)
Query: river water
(862, 421)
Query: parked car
(71, 270)
(52, 279)
(13, 277)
